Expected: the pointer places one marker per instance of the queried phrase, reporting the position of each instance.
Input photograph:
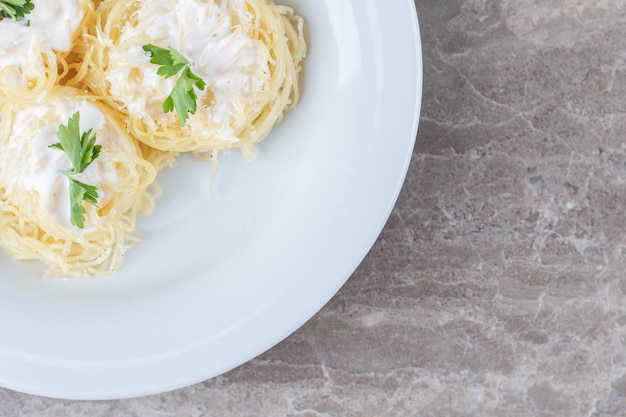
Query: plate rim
(312, 308)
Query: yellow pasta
(254, 45)
(35, 54)
(94, 61)
(34, 194)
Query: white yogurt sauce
(52, 23)
(20, 53)
(209, 35)
(28, 164)
(56, 21)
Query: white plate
(221, 277)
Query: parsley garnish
(15, 9)
(183, 97)
(82, 150)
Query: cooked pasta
(249, 53)
(34, 193)
(33, 51)
(85, 123)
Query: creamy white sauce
(28, 164)
(20, 53)
(56, 21)
(210, 36)
(52, 23)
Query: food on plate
(194, 75)
(37, 42)
(97, 96)
(72, 182)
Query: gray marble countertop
(497, 288)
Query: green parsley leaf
(82, 150)
(80, 192)
(183, 97)
(15, 9)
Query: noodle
(33, 222)
(30, 62)
(273, 32)
(249, 53)
(34, 75)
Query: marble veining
(498, 286)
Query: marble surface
(498, 286)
